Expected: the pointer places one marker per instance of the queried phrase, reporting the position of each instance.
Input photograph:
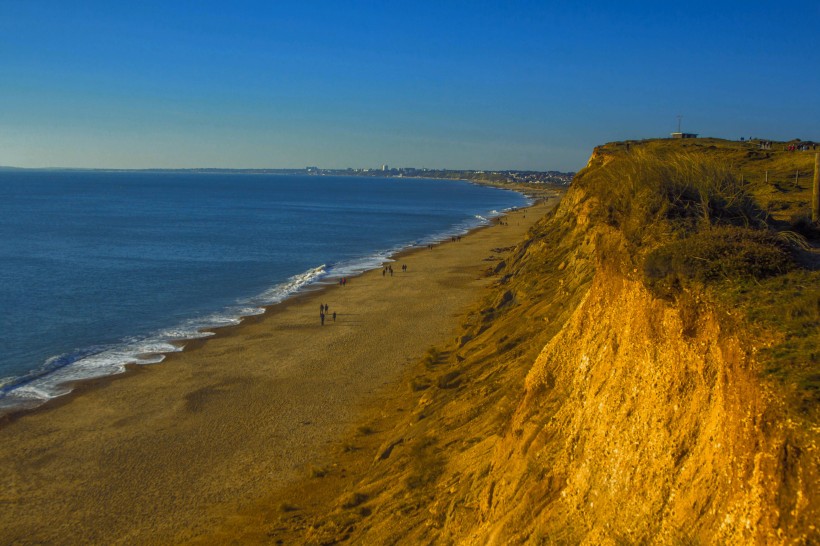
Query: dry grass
(650, 197)
(716, 255)
(788, 307)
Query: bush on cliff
(715, 255)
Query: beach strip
(164, 452)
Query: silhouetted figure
(322, 318)
(334, 316)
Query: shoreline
(172, 451)
(12, 412)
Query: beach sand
(167, 452)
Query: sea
(100, 269)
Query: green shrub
(714, 255)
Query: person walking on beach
(322, 318)
(326, 307)
(334, 316)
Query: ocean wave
(55, 376)
(356, 266)
(280, 292)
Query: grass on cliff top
(779, 180)
(730, 219)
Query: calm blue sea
(100, 269)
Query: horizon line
(270, 169)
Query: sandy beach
(162, 453)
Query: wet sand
(162, 453)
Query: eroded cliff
(652, 419)
(646, 372)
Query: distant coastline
(506, 176)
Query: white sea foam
(351, 268)
(31, 392)
(57, 373)
(282, 291)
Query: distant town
(507, 176)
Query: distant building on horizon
(680, 134)
(384, 167)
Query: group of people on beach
(323, 312)
(324, 309)
(389, 269)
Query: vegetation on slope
(733, 220)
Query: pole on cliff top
(815, 196)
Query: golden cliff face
(641, 425)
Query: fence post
(815, 196)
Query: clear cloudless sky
(438, 84)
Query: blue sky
(452, 84)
